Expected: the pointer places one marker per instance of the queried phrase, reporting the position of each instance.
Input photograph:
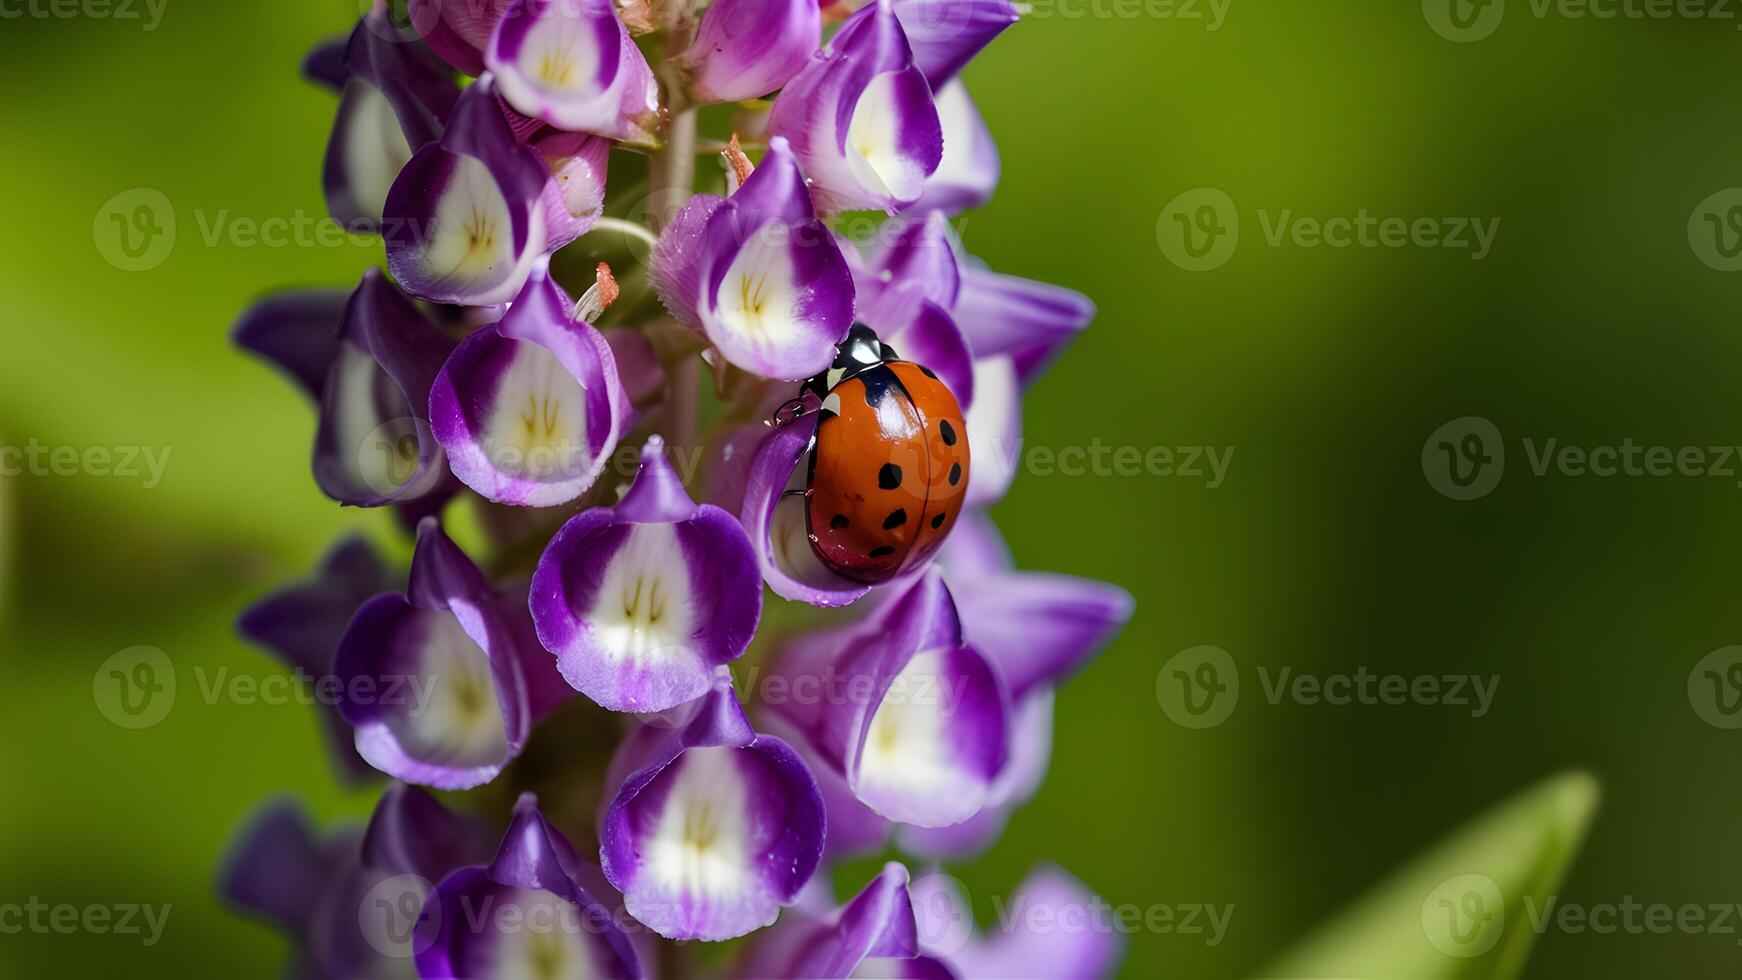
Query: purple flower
(642, 601)
(906, 293)
(713, 828)
(457, 30)
(1030, 321)
(861, 119)
(529, 912)
(436, 682)
(1020, 950)
(878, 924)
(758, 274)
(395, 100)
(571, 64)
(910, 715)
(374, 444)
(775, 521)
(968, 173)
(301, 626)
(465, 219)
(298, 332)
(745, 49)
(947, 34)
(528, 409)
(348, 901)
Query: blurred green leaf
(1464, 909)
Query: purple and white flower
(745, 49)
(465, 219)
(642, 601)
(436, 681)
(529, 912)
(529, 408)
(919, 728)
(713, 828)
(877, 925)
(774, 519)
(968, 174)
(860, 117)
(570, 63)
(758, 274)
(1022, 950)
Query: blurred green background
(1325, 550)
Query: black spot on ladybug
(948, 431)
(889, 477)
(838, 521)
(896, 518)
(927, 372)
(938, 521)
(955, 473)
(882, 551)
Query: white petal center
(560, 54)
(374, 148)
(644, 611)
(873, 142)
(906, 751)
(454, 716)
(701, 840)
(757, 305)
(473, 233)
(537, 935)
(538, 424)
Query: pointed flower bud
(464, 221)
(861, 119)
(435, 680)
(713, 827)
(642, 601)
(758, 274)
(746, 49)
(877, 925)
(529, 912)
(528, 409)
(571, 64)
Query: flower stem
(671, 180)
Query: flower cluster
(595, 653)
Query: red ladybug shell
(888, 472)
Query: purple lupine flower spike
(947, 34)
(758, 274)
(571, 64)
(968, 174)
(922, 736)
(301, 625)
(529, 409)
(642, 601)
(527, 913)
(877, 924)
(745, 49)
(394, 101)
(775, 521)
(457, 30)
(374, 445)
(435, 679)
(861, 119)
(464, 221)
(713, 827)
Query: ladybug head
(859, 350)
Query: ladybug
(888, 465)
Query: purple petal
(574, 198)
(325, 63)
(524, 913)
(374, 445)
(994, 430)
(457, 30)
(775, 522)
(1020, 951)
(745, 49)
(302, 624)
(432, 680)
(298, 331)
(464, 221)
(855, 830)
(529, 409)
(878, 923)
(715, 828)
(680, 259)
(968, 174)
(572, 64)
(1030, 321)
(921, 254)
(1038, 627)
(411, 833)
(1030, 753)
(643, 601)
(861, 119)
(947, 34)
(277, 869)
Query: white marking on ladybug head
(835, 376)
(832, 403)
